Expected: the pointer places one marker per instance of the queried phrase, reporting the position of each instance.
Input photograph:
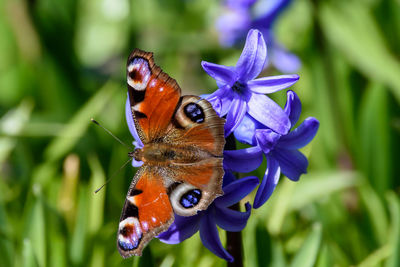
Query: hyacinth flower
(234, 23)
(281, 151)
(218, 213)
(238, 17)
(254, 119)
(240, 93)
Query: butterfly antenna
(110, 133)
(112, 176)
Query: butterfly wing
(196, 124)
(153, 95)
(147, 212)
(198, 128)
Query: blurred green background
(63, 62)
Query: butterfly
(182, 153)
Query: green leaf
(376, 213)
(28, 257)
(394, 232)
(280, 206)
(263, 246)
(168, 261)
(278, 256)
(36, 229)
(79, 123)
(147, 258)
(98, 255)
(374, 142)
(6, 246)
(7, 144)
(376, 257)
(326, 142)
(14, 121)
(352, 29)
(315, 186)
(78, 241)
(57, 249)
(308, 253)
(96, 201)
(324, 257)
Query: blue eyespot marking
(194, 112)
(191, 198)
(127, 245)
(130, 234)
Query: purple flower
(239, 3)
(268, 11)
(238, 18)
(240, 93)
(218, 213)
(234, 22)
(281, 151)
(131, 125)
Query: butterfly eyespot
(191, 198)
(138, 75)
(185, 199)
(194, 112)
(130, 234)
(135, 75)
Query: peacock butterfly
(182, 153)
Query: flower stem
(234, 239)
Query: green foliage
(63, 62)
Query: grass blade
(308, 253)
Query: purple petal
(268, 183)
(269, 113)
(232, 220)
(131, 123)
(222, 74)
(292, 162)
(235, 115)
(236, 191)
(237, 4)
(243, 160)
(300, 136)
(181, 229)
(266, 139)
(292, 107)
(232, 26)
(210, 238)
(269, 10)
(221, 100)
(246, 130)
(268, 85)
(136, 163)
(253, 57)
(284, 61)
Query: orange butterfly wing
(146, 213)
(153, 95)
(207, 135)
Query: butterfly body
(182, 153)
(162, 154)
